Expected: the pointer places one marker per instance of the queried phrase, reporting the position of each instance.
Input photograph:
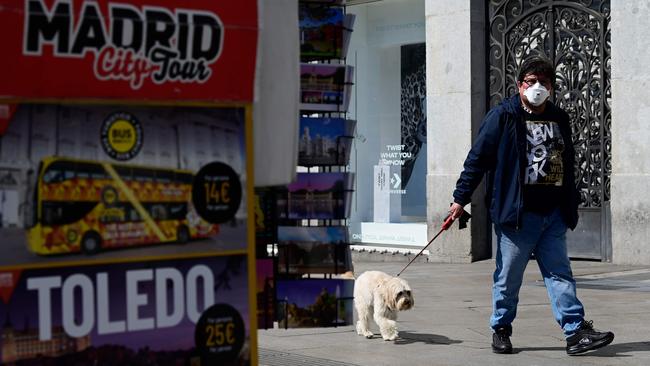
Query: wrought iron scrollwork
(575, 35)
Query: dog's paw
(389, 334)
(363, 330)
(368, 334)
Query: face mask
(536, 94)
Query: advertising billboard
(126, 182)
(160, 50)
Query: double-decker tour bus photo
(88, 206)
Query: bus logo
(121, 136)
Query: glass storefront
(389, 156)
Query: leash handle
(447, 224)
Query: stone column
(630, 201)
(456, 80)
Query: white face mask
(536, 94)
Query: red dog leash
(445, 225)
(462, 223)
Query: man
(525, 144)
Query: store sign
(386, 199)
(395, 155)
(158, 50)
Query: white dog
(381, 296)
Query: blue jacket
(500, 151)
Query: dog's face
(399, 294)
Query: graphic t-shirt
(544, 169)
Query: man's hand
(455, 210)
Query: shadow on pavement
(619, 349)
(408, 338)
(612, 350)
(535, 349)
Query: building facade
(24, 344)
(473, 49)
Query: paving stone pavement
(449, 324)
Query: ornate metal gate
(575, 35)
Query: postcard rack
(312, 252)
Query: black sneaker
(501, 339)
(587, 338)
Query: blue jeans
(544, 236)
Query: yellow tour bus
(87, 206)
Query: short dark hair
(537, 65)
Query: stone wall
(630, 199)
(455, 104)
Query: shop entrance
(576, 37)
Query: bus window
(177, 211)
(90, 170)
(63, 213)
(143, 175)
(163, 176)
(59, 171)
(158, 211)
(53, 176)
(133, 214)
(81, 174)
(99, 175)
(124, 172)
(185, 178)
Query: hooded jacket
(500, 151)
